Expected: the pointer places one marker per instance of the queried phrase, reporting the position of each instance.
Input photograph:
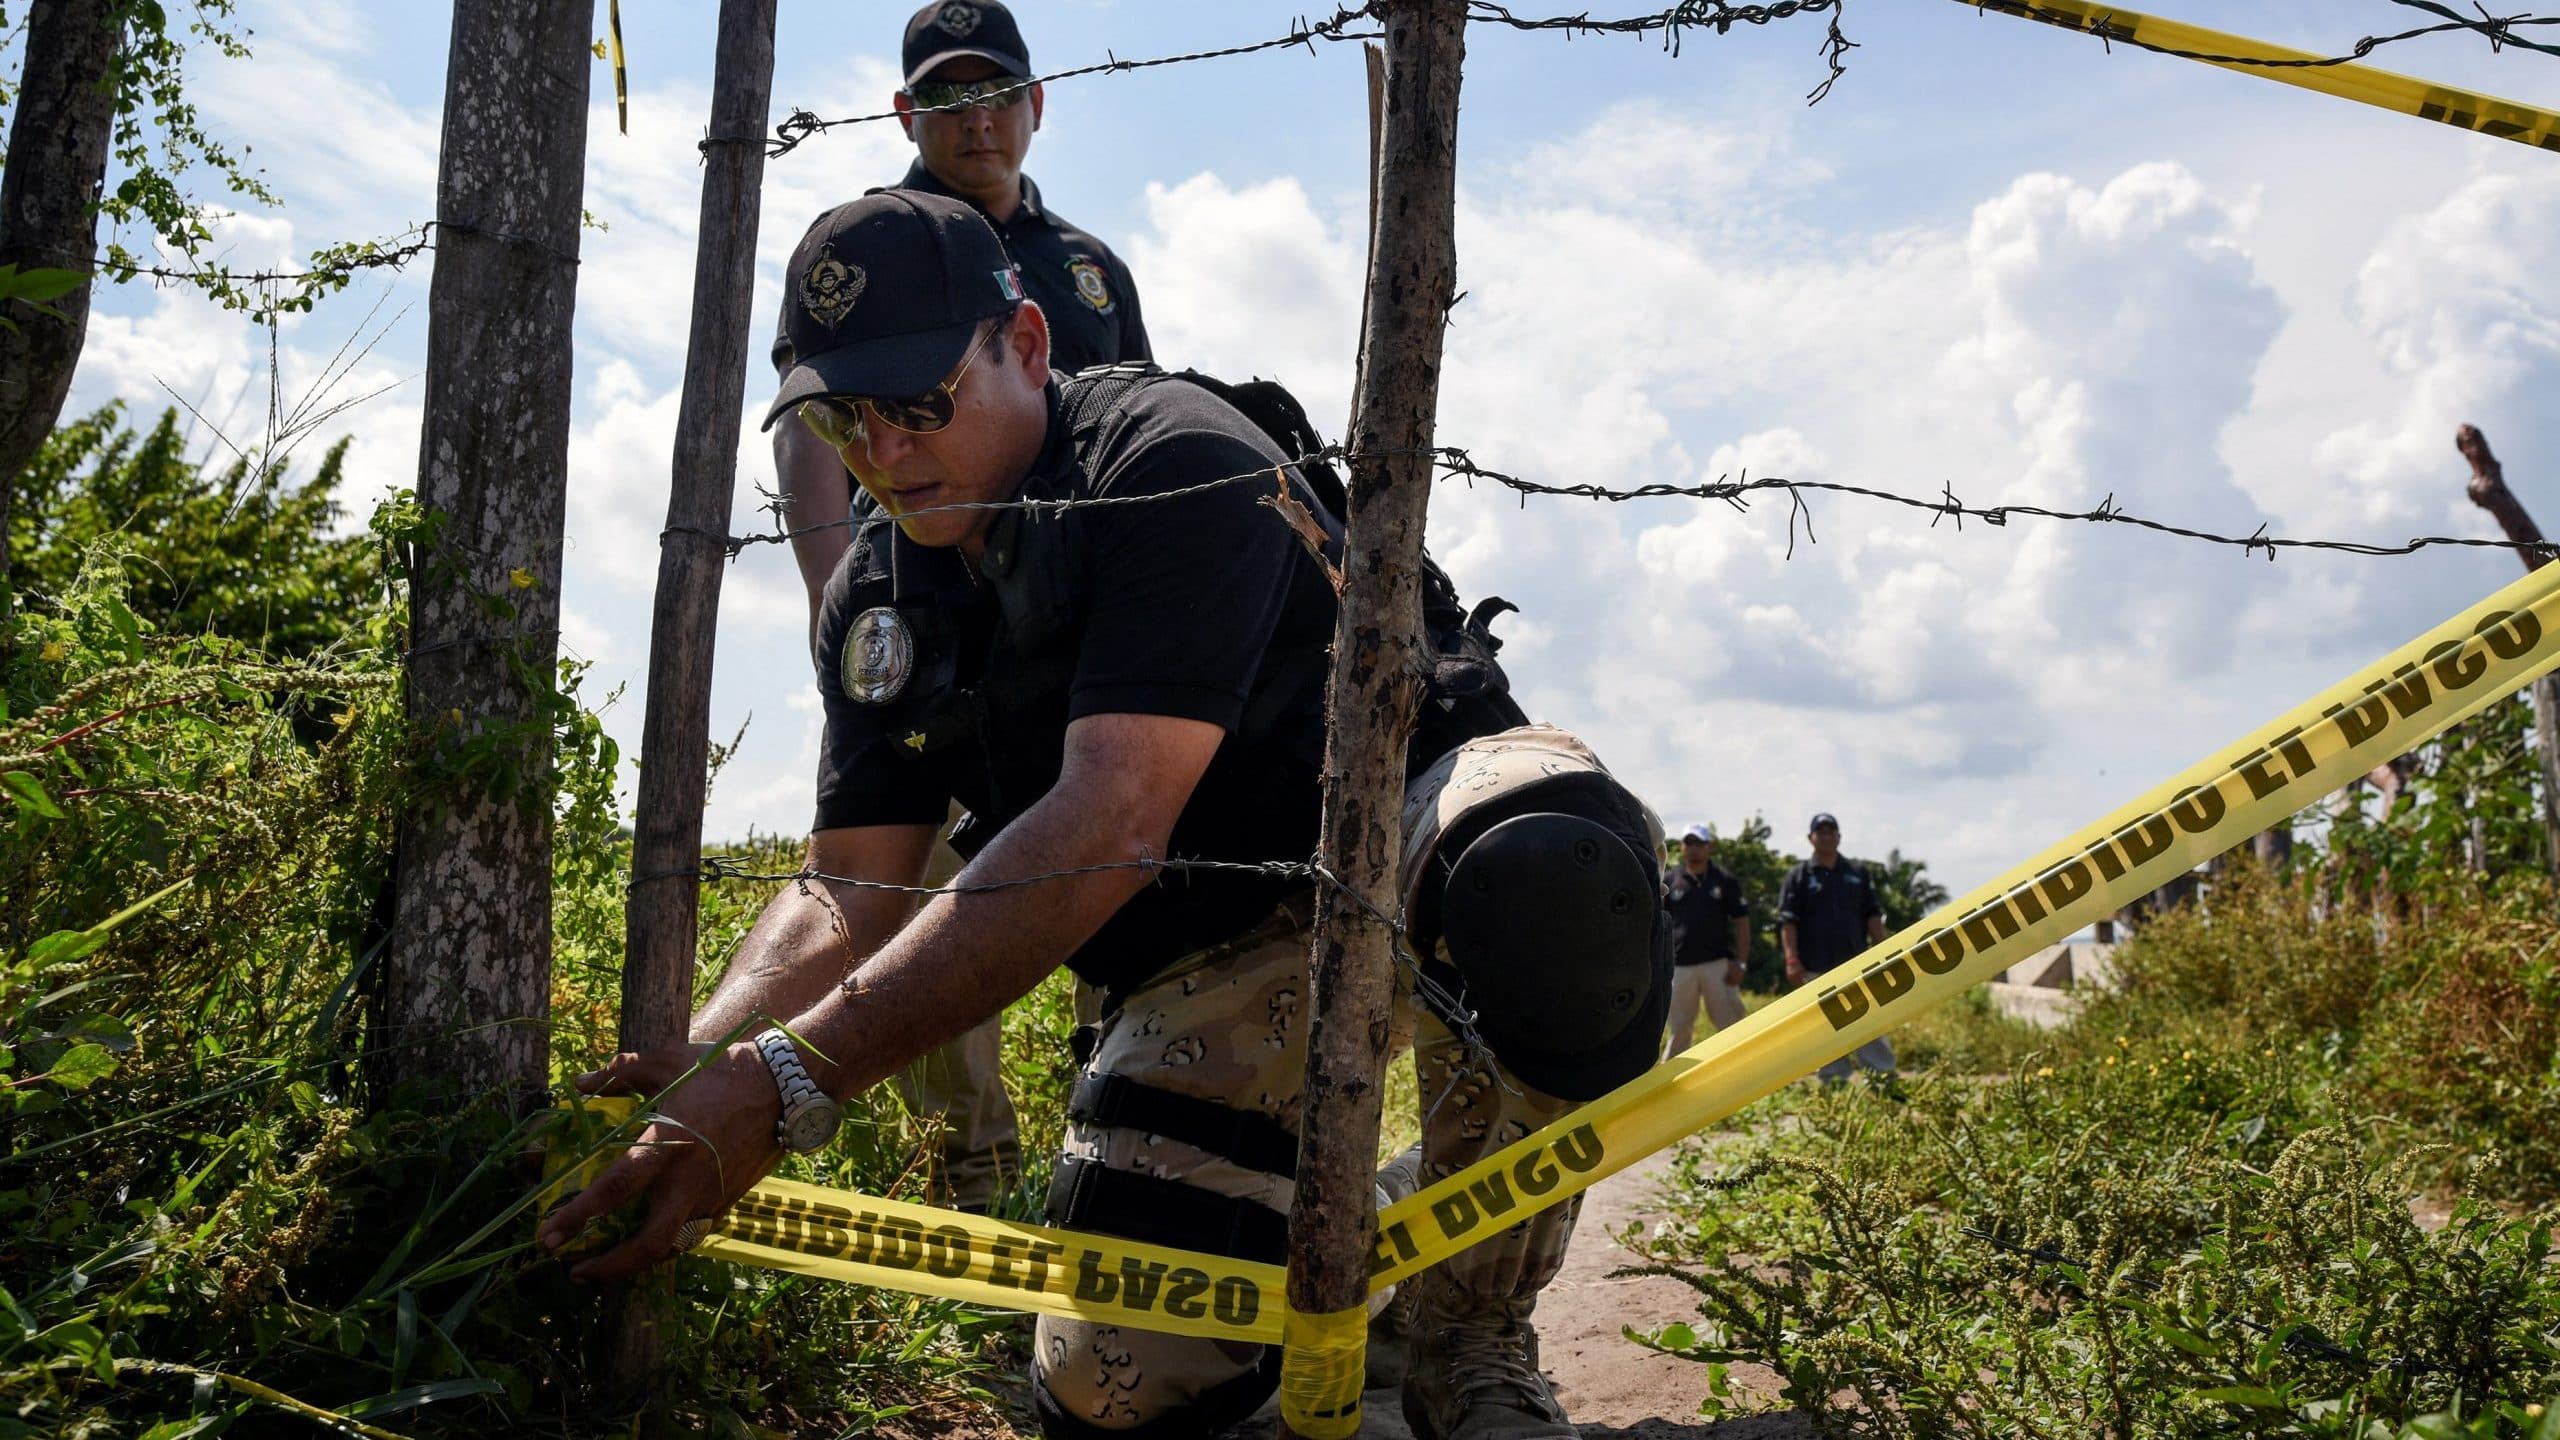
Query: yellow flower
(2186, 1054)
(521, 578)
(2533, 1411)
(2122, 1043)
(55, 650)
(2044, 1072)
(2111, 1059)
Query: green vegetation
(212, 1216)
(2187, 1212)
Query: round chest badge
(878, 656)
(1092, 286)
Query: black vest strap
(1256, 1142)
(1086, 1194)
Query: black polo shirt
(1829, 908)
(1703, 907)
(1084, 289)
(1204, 607)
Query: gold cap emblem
(828, 291)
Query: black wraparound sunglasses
(837, 419)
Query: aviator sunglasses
(1001, 93)
(837, 419)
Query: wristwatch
(809, 1115)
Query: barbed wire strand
(2499, 30)
(2498, 34)
(800, 124)
(1450, 1006)
(1456, 463)
(1719, 16)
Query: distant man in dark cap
(966, 105)
(1103, 686)
(1827, 913)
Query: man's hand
(716, 1141)
(1733, 973)
(1796, 973)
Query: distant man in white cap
(1712, 923)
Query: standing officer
(1712, 926)
(1102, 687)
(1827, 913)
(970, 56)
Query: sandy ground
(1613, 1388)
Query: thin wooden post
(1377, 666)
(2488, 490)
(675, 736)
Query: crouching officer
(1102, 686)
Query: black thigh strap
(1256, 1142)
(1086, 1194)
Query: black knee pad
(1554, 923)
(1218, 1407)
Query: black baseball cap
(1823, 818)
(950, 29)
(884, 294)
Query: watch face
(814, 1125)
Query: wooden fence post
(1377, 654)
(2488, 490)
(675, 735)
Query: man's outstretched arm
(814, 932)
(963, 958)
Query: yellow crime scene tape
(826, 1234)
(2364, 84)
(2487, 653)
(2435, 681)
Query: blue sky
(1997, 258)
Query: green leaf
(64, 946)
(38, 285)
(404, 1335)
(417, 1395)
(2249, 1395)
(82, 1066)
(29, 793)
(2192, 1344)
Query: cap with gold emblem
(950, 29)
(884, 294)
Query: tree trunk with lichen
(49, 191)
(1377, 653)
(467, 996)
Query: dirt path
(1614, 1388)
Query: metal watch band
(790, 1077)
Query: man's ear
(906, 108)
(1028, 342)
(1039, 103)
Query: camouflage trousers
(1230, 1026)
